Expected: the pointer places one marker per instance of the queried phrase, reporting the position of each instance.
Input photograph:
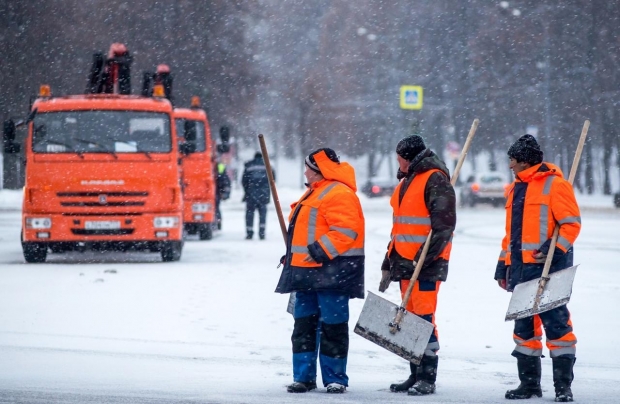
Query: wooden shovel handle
(556, 231)
(272, 186)
(394, 325)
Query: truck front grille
(102, 232)
(102, 200)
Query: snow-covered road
(126, 328)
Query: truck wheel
(206, 231)
(171, 251)
(34, 252)
(191, 228)
(57, 249)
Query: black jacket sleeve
(316, 252)
(440, 201)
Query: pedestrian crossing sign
(411, 97)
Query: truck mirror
(31, 115)
(189, 131)
(12, 147)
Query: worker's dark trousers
(321, 329)
(250, 207)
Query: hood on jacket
(539, 171)
(341, 172)
(535, 173)
(427, 160)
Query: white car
(487, 187)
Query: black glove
(541, 253)
(386, 275)
(282, 261)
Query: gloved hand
(386, 275)
(282, 261)
(539, 256)
(385, 281)
(502, 283)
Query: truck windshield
(101, 132)
(185, 125)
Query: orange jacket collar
(532, 173)
(341, 172)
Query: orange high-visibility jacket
(329, 219)
(411, 219)
(549, 202)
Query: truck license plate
(102, 224)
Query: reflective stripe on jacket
(412, 220)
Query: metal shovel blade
(409, 343)
(290, 308)
(557, 293)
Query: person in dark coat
(423, 201)
(222, 191)
(256, 186)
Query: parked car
(487, 187)
(379, 186)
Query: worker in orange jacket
(423, 201)
(324, 265)
(538, 200)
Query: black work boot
(249, 235)
(407, 384)
(426, 377)
(529, 374)
(301, 387)
(563, 377)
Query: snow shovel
(406, 335)
(276, 201)
(550, 291)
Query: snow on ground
(126, 328)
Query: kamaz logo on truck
(102, 182)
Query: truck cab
(197, 175)
(102, 174)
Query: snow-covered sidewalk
(126, 328)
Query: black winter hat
(258, 155)
(410, 147)
(526, 150)
(330, 153)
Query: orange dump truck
(197, 176)
(102, 173)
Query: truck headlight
(201, 207)
(38, 222)
(165, 222)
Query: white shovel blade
(557, 293)
(290, 308)
(408, 343)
